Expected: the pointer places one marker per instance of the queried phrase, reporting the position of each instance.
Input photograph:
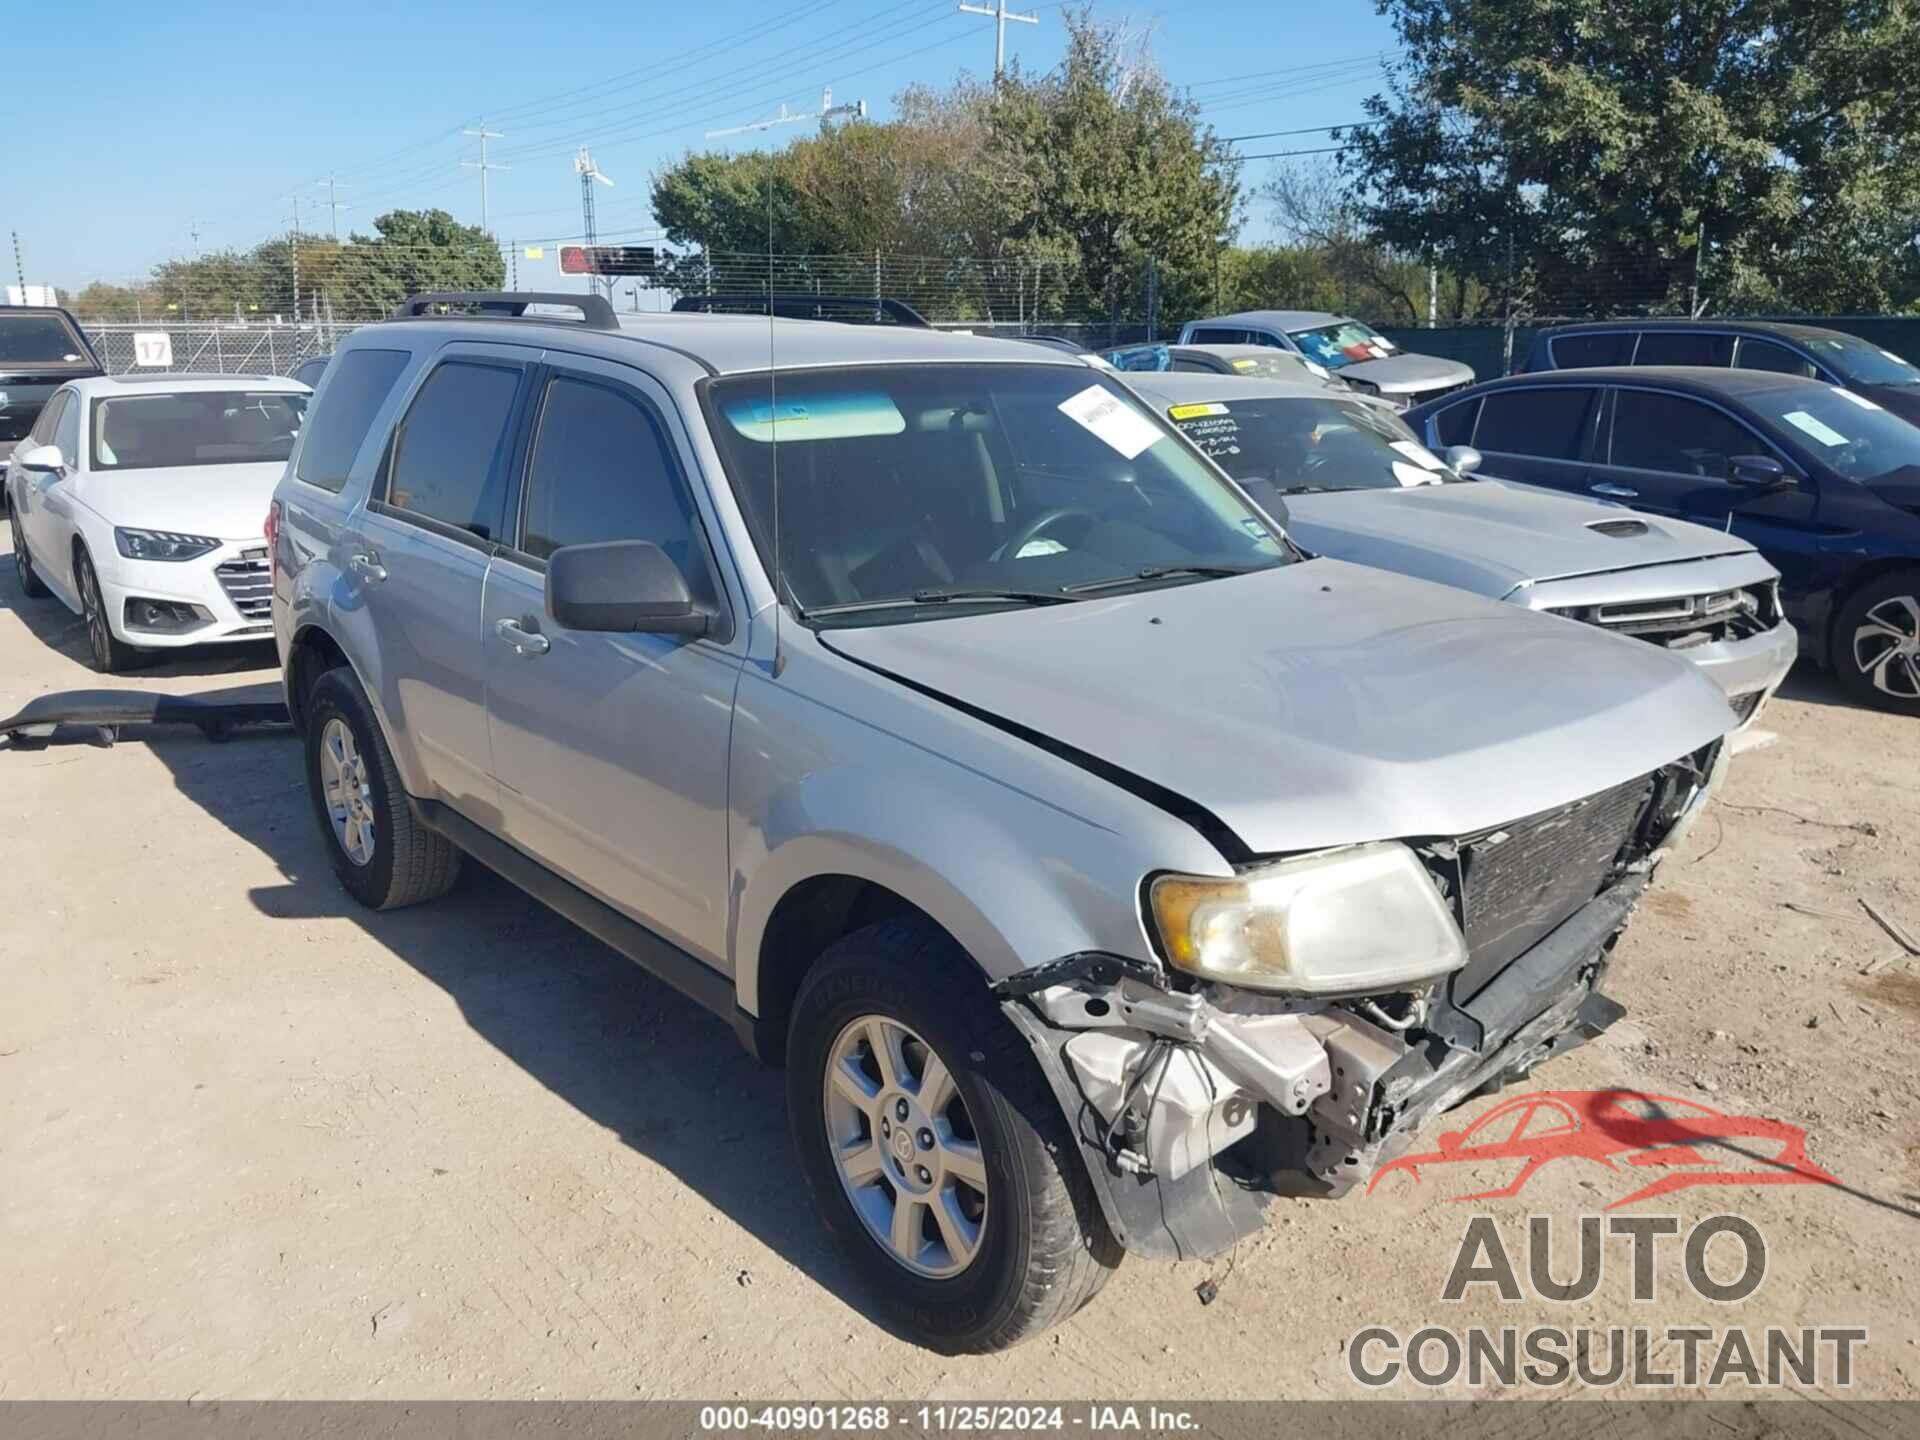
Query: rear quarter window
(1581, 352)
(362, 381)
(1454, 425)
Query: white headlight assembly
(1362, 920)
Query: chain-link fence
(227, 349)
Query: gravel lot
(255, 1142)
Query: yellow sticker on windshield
(1195, 412)
(1247, 364)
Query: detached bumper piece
(107, 710)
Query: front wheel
(934, 1149)
(1877, 643)
(111, 655)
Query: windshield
(1305, 445)
(1343, 343)
(204, 427)
(1862, 363)
(40, 342)
(1276, 365)
(1846, 432)
(995, 484)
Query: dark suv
(1821, 480)
(41, 348)
(1809, 351)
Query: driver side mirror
(44, 460)
(1462, 459)
(622, 587)
(1760, 471)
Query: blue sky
(160, 119)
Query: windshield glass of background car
(1344, 343)
(204, 427)
(1862, 363)
(40, 341)
(1848, 433)
(1299, 446)
(899, 479)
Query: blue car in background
(1823, 481)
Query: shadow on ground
(621, 1047)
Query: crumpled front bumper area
(1193, 1108)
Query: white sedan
(138, 501)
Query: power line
(1306, 130)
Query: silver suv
(939, 715)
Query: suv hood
(228, 502)
(1407, 374)
(1488, 537)
(1321, 703)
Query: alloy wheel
(905, 1148)
(99, 637)
(348, 796)
(1886, 646)
(22, 567)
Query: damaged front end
(1195, 1100)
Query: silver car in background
(1356, 352)
(928, 709)
(1353, 481)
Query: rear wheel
(29, 578)
(111, 655)
(1876, 650)
(936, 1153)
(383, 856)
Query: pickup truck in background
(42, 347)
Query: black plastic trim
(693, 978)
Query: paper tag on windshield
(1817, 428)
(1419, 455)
(1411, 475)
(1862, 401)
(1123, 428)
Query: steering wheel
(1039, 525)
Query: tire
(111, 655)
(384, 857)
(1876, 643)
(1040, 1247)
(30, 582)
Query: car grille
(248, 582)
(1421, 397)
(1520, 881)
(1681, 622)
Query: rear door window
(1684, 347)
(1766, 355)
(335, 431)
(1653, 430)
(446, 464)
(1548, 424)
(1581, 352)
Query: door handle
(366, 564)
(523, 641)
(1618, 492)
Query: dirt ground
(255, 1142)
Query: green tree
(1583, 150)
(412, 251)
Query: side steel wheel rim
(1886, 646)
(904, 1147)
(345, 791)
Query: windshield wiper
(1159, 572)
(956, 595)
(1303, 489)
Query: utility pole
(590, 175)
(293, 254)
(19, 269)
(193, 231)
(483, 135)
(1000, 15)
(333, 200)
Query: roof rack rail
(799, 305)
(596, 311)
